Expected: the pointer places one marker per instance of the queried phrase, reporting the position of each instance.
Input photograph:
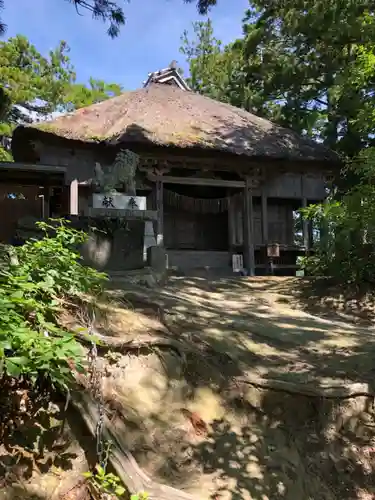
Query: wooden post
(264, 218)
(324, 232)
(248, 219)
(310, 231)
(231, 224)
(239, 221)
(160, 211)
(73, 204)
(47, 202)
(305, 228)
(264, 221)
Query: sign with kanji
(118, 201)
(273, 250)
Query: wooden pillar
(264, 218)
(73, 203)
(324, 232)
(231, 223)
(239, 221)
(248, 219)
(160, 211)
(305, 228)
(310, 231)
(47, 202)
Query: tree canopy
(308, 65)
(34, 86)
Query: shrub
(346, 248)
(32, 283)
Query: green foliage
(306, 65)
(5, 155)
(105, 483)
(33, 86)
(32, 282)
(215, 71)
(33, 83)
(347, 246)
(107, 11)
(139, 496)
(79, 95)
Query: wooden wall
(280, 223)
(14, 209)
(295, 186)
(80, 165)
(192, 231)
(181, 232)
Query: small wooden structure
(222, 181)
(25, 192)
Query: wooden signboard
(273, 250)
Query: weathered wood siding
(291, 185)
(80, 165)
(192, 231)
(13, 210)
(280, 223)
(187, 260)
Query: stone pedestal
(157, 259)
(149, 238)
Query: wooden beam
(215, 160)
(195, 181)
(32, 167)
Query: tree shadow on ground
(289, 451)
(328, 298)
(32, 441)
(237, 319)
(267, 443)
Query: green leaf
(5, 344)
(12, 369)
(100, 470)
(19, 360)
(119, 491)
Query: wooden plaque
(273, 250)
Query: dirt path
(252, 320)
(260, 444)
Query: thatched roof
(165, 115)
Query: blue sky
(149, 41)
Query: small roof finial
(173, 64)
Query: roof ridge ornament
(167, 76)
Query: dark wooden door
(191, 231)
